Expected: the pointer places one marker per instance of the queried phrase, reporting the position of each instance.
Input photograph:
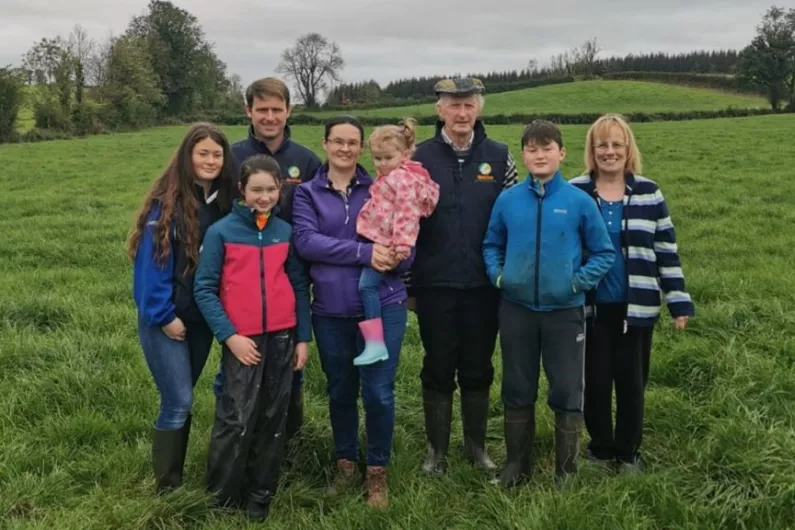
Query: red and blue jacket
(249, 281)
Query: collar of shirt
(348, 188)
(450, 142)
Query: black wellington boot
(520, 428)
(567, 444)
(168, 456)
(438, 412)
(475, 415)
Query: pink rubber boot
(374, 346)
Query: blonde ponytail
(403, 135)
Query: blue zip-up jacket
(533, 247)
(163, 292)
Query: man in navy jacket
(455, 304)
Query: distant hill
(587, 97)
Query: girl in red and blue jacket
(254, 294)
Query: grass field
(590, 97)
(78, 402)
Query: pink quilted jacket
(397, 201)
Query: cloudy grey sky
(389, 39)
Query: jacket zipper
(262, 283)
(625, 250)
(538, 248)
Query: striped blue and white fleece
(649, 247)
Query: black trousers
(247, 441)
(554, 338)
(458, 329)
(613, 356)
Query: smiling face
(268, 116)
(543, 160)
(343, 146)
(207, 157)
(610, 150)
(459, 113)
(261, 192)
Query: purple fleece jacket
(324, 233)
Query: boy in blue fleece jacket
(534, 253)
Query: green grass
(590, 97)
(78, 402)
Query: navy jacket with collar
(449, 246)
(297, 163)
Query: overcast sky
(390, 39)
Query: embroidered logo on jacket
(484, 172)
(293, 175)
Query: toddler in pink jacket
(402, 193)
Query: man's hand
(175, 330)
(244, 349)
(301, 355)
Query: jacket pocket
(557, 285)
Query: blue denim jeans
(368, 291)
(175, 367)
(338, 342)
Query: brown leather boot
(376, 488)
(344, 478)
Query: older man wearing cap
(456, 305)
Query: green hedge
(502, 119)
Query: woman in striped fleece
(625, 306)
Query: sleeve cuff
(365, 253)
(168, 319)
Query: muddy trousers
(247, 441)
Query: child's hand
(301, 355)
(244, 349)
(175, 330)
(402, 252)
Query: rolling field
(78, 402)
(589, 97)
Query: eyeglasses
(339, 143)
(604, 146)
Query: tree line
(580, 61)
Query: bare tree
(312, 63)
(587, 53)
(80, 45)
(97, 63)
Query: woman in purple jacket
(324, 231)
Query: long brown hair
(174, 193)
